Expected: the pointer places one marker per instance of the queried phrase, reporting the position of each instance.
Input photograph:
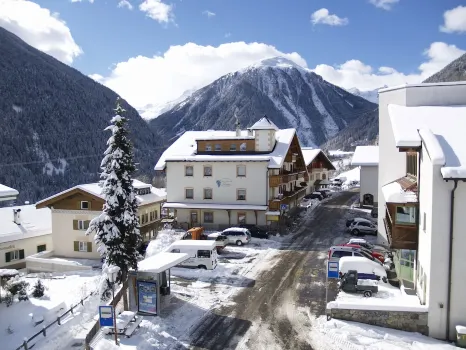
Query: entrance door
(194, 218)
(368, 199)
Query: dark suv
(256, 232)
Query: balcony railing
(276, 180)
(287, 198)
(400, 236)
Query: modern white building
(223, 178)
(422, 195)
(318, 167)
(7, 195)
(367, 158)
(24, 231)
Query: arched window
(324, 176)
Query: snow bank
(376, 305)
(163, 240)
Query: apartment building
(367, 158)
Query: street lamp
(112, 273)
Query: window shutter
(7, 257)
(89, 247)
(75, 224)
(21, 254)
(86, 224)
(76, 246)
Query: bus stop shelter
(152, 281)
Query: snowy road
(274, 312)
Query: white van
(362, 265)
(202, 253)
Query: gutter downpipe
(450, 255)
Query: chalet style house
(219, 179)
(318, 167)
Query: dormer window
(208, 147)
(242, 147)
(218, 147)
(233, 147)
(85, 205)
(143, 191)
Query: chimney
(238, 127)
(17, 216)
(250, 132)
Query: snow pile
(346, 335)
(8, 272)
(163, 240)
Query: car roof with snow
(237, 229)
(361, 219)
(359, 240)
(357, 260)
(193, 243)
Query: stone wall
(403, 320)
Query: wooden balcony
(288, 198)
(401, 235)
(277, 180)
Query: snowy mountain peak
(278, 62)
(370, 95)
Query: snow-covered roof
(310, 154)
(213, 206)
(156, 195)
(264, 124)
(185, 148)
(366, 156)
(7, 193)
(405, 86)
(34, 222)
(162, 261)
(190, 243)
(439, 128)
(394, 193)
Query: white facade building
(227, 178)
(367, 157)
(422, 194)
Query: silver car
(362, 228)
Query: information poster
(147, 297)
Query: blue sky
(347, 50)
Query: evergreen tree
(117, 228)
(38, 289)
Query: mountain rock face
(291, 96)
(455, 71)
(52, 123)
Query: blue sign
(106, 316)
(333, 269)
(283, 207)
(147, 297)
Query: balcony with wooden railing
(287, 198)
(286, 177)
(400, 234)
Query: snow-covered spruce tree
(117, 228)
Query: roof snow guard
(439, 129)
(264, 124)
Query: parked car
(361, 227)
(337, 252)
(325, 192)
(364, 243)
(363, 266)
(237, 235)
(317, 195)
(350, 283)
(376, 255)
(256, 232)
(350, 221)
(306, 203)
(143, 247)
(374, 212)
(203, 253)
(336, 182)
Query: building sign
(147, 297)
(106, 316)
(225, 182)
(273, 217)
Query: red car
(376, 255)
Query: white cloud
(384, 4)
(156, 80)
(355, 73)
(125, 3)
(323, 16)
(39, 28)
(158, 10)
(455, 20)
(91, 1)
(208, 13)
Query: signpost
(283, 207)
(106, 316)
(332, 272)
(147, 297)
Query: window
(189, 193)
(311, 177)
(194, 219)
(82, 246)
(207, 193)
(143, 191)
(14, 255)
(208, 217)
(411, 163)
(208, 147)
(241, 170)
(324, 176)
(317, 176)
(144, 218)
(218, 147)
(175, 250)
(405, 215)
(85, 205)
(41, 248)
(80, 225)
(424, 222)
(241, 218)
(203, 253)
(207, 170)
(233, 147)
(188, 170)
(153, 215)
(242, 147)
(241, 195)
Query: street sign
(106, 316)
(283, 207)
(332, 269)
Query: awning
(394, 193)
(162, 261)
(321, 182)
(272, 213)
(213, 206)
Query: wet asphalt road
(273, 313)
